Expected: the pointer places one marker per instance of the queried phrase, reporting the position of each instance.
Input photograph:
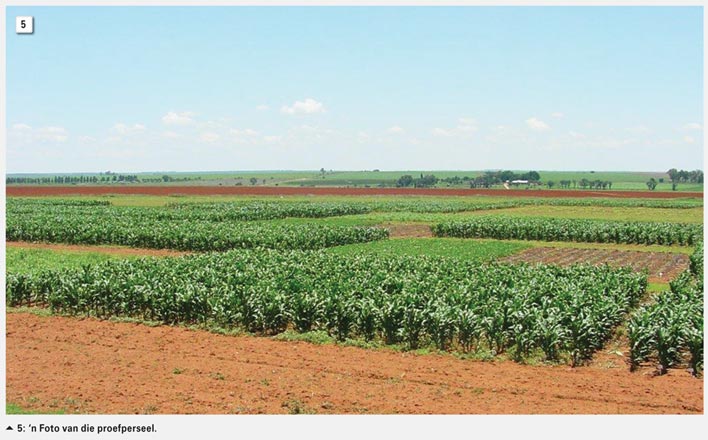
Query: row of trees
(59, 180)
(682, 176)
(490, 178)
(424, 181)
(107, 178)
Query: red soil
(25, 191)
(91, 366)
(661, 266)
(111, 250)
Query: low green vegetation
(13, 409)
(34, 260)
(478, 250)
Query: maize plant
(417, 301)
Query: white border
(315, 427)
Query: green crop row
(183, 235)
(412, 301)
(669, 330)
(579, 230)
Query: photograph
(345, 211)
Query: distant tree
(425, 181)
(584, 183)
(532, 176)
(165, 178)
(651, 184)
(550, 184)
(405, 180)
(253, 180)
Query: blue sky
(237, 88)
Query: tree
(253, 180)
(405, 180)
(550, 184)
(651, 184)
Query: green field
(327, 264)
(621, 180)
(32, 260)
(478, 250)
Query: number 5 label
(24, 25)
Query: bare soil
(408, 230)
(28, 191)
(91, 366)
(112, 250)
(661, 266)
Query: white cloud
(692, 126)
(243, 133)
(442, 132)
(557, 115)
(209, 137)
(689, 139)
(53, 134)
(171, 134)
(575, 134)
(127, 130)
(396, 130)
(639, 129)
(175, 118)
(272, 139)
(536, 124)
(86, 139)
(262, 107)
(21, 127)
(465, 126)
(308, 106)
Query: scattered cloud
(396, 130)
(86, 139)
(262, 107)
(243, 133)
(576, 135)
(209, 137)
(536, 124)
(639, 129)
(178, 118)
(689, 139)
(272, 139)
(692, 126)
(308, 106)
(127, 130)
(171, 135)
(465, 126)
(21, 127)
(53, 134)
(557, 115)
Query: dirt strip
(661, 266)
(111, 250)
(167, 190)
(91, 366)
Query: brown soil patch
(661, 266)
(91, 366)
(112, 250)
(28, 191)
(408, 230)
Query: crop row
(669, 330)
(412, 301)
(578, 230)
(182, 235)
